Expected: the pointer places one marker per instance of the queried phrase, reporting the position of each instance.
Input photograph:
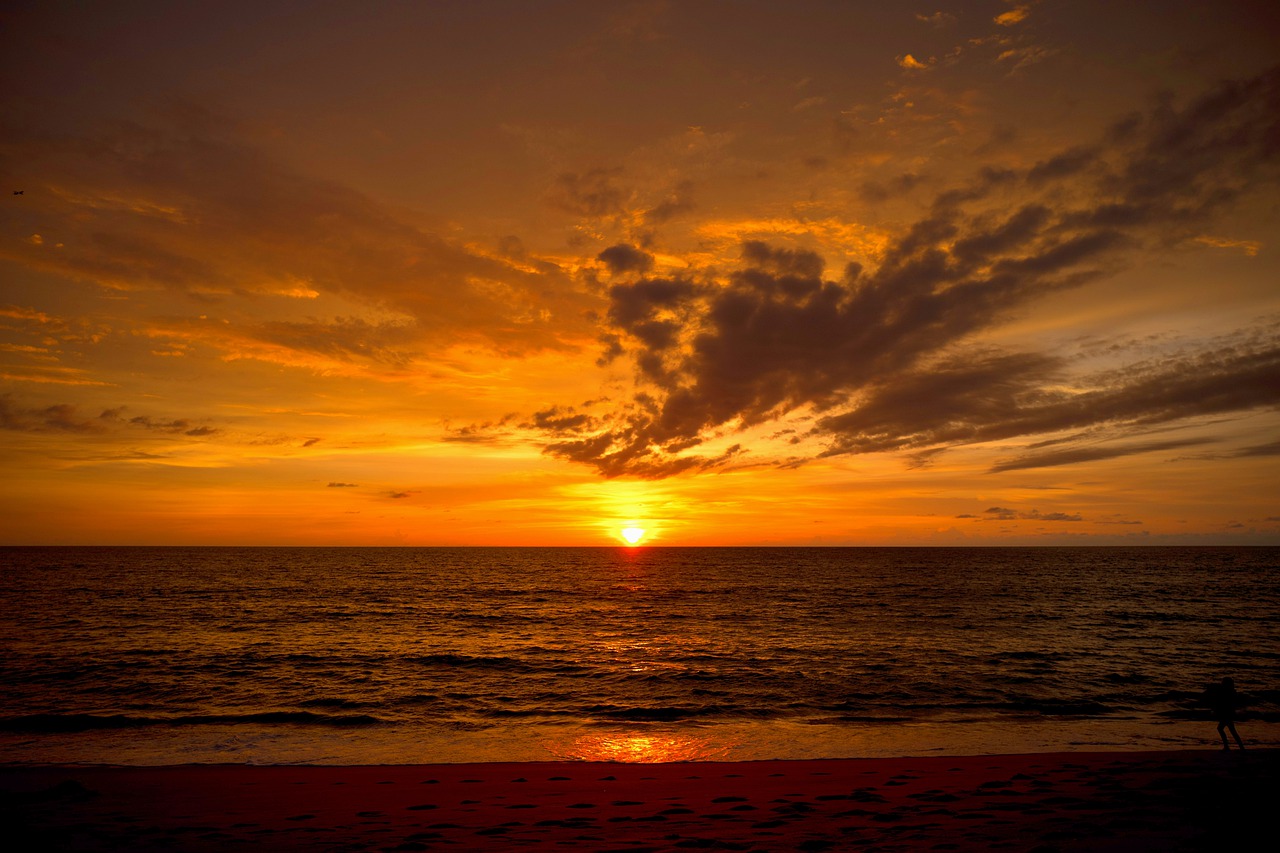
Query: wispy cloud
(178, 206)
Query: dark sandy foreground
(1071, 801)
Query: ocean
(424, 655)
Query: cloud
(910, 63)
(981, 397)
(1075, 455)
(178, 204)
(61, 417)
(938, 20)
(343, 485)
(593, 194)
(624, 258)
(68, 418)
(1249, 247)
(901, 185)
(561, 420)
(1269, 449)
(1013, 16)
(679, 201)
(1024, 56)
(1063, 165)
(885, 357)
(999, 513)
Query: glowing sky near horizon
(730, 272)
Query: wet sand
(1148, 801)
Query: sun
(632, 534)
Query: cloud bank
(888, 359)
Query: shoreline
(649, 743)
(1060, 801)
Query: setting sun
(632, 534)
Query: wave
(1056, 707)
(65, 723)
(502, 664)
(670, 714)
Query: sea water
(411, 655)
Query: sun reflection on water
(640, 747)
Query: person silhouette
(1223, 701)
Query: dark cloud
(1063, 165)
(593, 194)
(1269, 449)
(62, 417)
(679, 201)
(624, 258)
(389, 345)
(343, 485)
(177, 425)
(489, 432)
(66, 417)
(999, 513)
(885, 356)
(631, 304)
(1075, 455)
(901, 185)
(145, 422)
(612, 351)
(558, 420)
(978, 397)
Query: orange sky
(733, 272)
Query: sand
(1152, 801)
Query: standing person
(1223, 700)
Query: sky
(733, 273)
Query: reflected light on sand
(640, 748)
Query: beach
(667, 699)
(1130, 801)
